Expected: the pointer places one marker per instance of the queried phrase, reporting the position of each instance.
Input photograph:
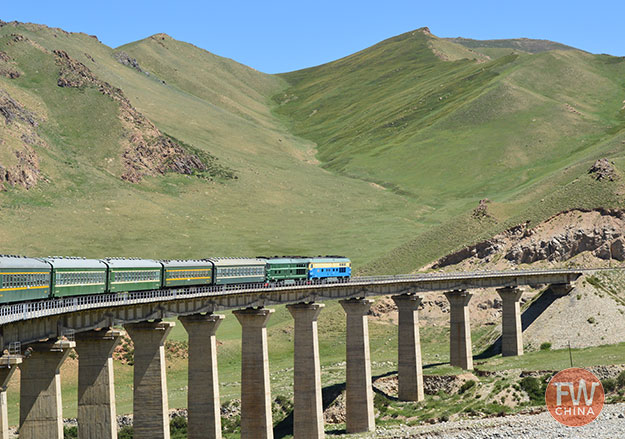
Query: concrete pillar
(40, 390)
(511, 329)
(461, 353)
(8, 365)
(409, 371)
(359, 392)
(308, 416)
(203, 394)
(150, 404)
(256, 421)
(97, 417)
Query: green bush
(609, 384)
(620, 379)
(534, 389)
(70, 432)
(466, 386)
(125, 432)
(178, 427)
(545, 346)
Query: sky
(281, 36)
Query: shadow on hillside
(328, 395)
(536, 308)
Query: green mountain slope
(280, 202)
(497, 48)
(515, 129)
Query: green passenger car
(77, 276)
(133, 274)
(238, 270)
(190, 272)
(23, 279)
(282, 269)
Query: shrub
(545, 346)
(534, 389)
(609, 384)
(70, 432)
(125, 432)
(466, 386)
(620, 379)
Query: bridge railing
(42, 308)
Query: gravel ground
(609, 425)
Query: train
(24, 278)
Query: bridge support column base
(410, 372)
(8, 364)
(256, 420)
(460, 353)
(308, 408)
(511, 329)
(97, 416)
(359, 392)
(40, 391)
(203, 394)
(150, 403)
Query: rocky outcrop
(25, 173)
(565, 245)
(481, 211)
(13, 111)
(603, 169)
(125, 59)
(600, 232)
(147, 151)
(7, 67)
(20, 123)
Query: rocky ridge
(125, 59)
(601, 232)
(21, 124)
(146, 150)
(603, 169)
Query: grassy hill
(280, 202)
(520, 130)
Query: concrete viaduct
(50, 329)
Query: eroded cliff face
(19, 163)
(146, 150)
(143, 149)
(600, 233)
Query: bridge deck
(237, 296)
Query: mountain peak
(161, 36)
(425, 30)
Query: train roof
(186, 263)
(329, 259)
(287, 260)
(237, 261)
(11, 262)
(131, 263)
(74, 262)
